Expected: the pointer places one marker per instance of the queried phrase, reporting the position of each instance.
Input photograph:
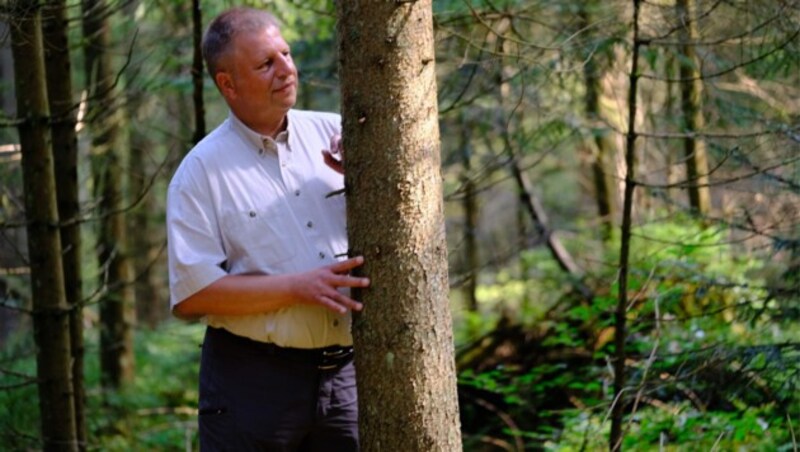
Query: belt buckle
(331, 359)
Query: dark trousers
(256, 397)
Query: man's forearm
(239, 295)
(257, 294)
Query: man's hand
(335, 163)
(320, 286)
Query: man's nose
(285, 67)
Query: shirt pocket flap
(259, 238)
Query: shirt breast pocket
(259, 238)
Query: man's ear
(225, 84)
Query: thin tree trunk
(692, 106)
(670, 161)
(603, 147)
(51, 312)
(620, 332)
(197, 73)
(65, 153)
(531, 203)
(470, 206)
(150, 308)
(527, 198)
(403, 338)
(7, 94)
(117, 305)
(525, 267)
(501, 74)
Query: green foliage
(703, 372)
(19, 420)
(682, 428)
(158, 412)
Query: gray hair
(224, 28)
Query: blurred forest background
(622, 188)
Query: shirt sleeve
(195, 251)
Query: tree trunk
(65, 153)
(150, 307)
(50, 309)
(620, 327)
(197, 73)
(602, 148)
(403, 338)
(670, 63)
(692, 105)
(145, 243)
(117, 304)
(470, 205)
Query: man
(256, 247)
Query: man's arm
(257, 294)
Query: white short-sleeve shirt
(242, 203)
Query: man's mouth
(284, 88)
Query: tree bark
(65, 153)
(145, 243)
(692, 106)
(471, 211)
(403, 338)
(620, 327)
(117, 304)
(51, 312)
(197, 73)
(602, 148)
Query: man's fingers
(330, 304)
(347, 302)
(339, 303)
(347, 264)
(336, 144)
(333, 162)
(344, 267)
(350, 281)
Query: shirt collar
(256, 139)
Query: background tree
(621, 314)
(600, 146)
(471, 216)
(51, 313)
(692, 106)
(405, 363)
(108, 157)
(198, 74)
(63, 108)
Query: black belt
(327, 358)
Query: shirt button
(321, 255)
(252, 214)
(297, 192)
(336, 322)
(310, 224)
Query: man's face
(263, 78)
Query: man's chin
(288, 103)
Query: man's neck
(273, 132)
(268, 129)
